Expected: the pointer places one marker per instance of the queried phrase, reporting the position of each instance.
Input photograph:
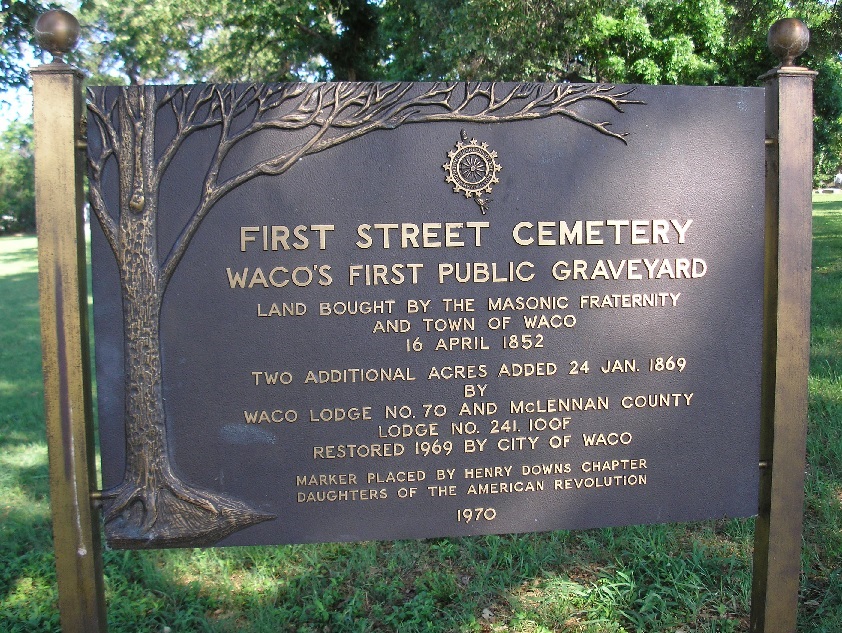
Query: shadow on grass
(609, 578)
(658, 577)
(20, 298)
(28, 599)
(28, 590)
(827, 202)
(33, 481)
(21, 387)
(15, 257)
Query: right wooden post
(786, 347)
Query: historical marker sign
(359, 311)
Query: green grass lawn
(684, 577)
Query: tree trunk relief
(152, 506)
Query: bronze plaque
(338, 312)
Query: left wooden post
(62, 280)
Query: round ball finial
(787, 39)
(57, 31)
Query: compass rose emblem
(472, 169)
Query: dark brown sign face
(364, 311)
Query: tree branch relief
(152, 506)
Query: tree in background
(825, 56)
(17, 179)
(326, 39)
(656, 41)
(827, 126)
(16, 20)
(699, 42)
(224, 41)
(139, 42)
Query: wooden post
(59, 198)
(786, 336)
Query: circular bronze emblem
(472, 169)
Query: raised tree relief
(152, 506)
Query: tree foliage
(641, 41)
(617, 41)
(221, 40)
(16, 20)
(657, 41)
(140, 42)
(827, 128)
(17, 179)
